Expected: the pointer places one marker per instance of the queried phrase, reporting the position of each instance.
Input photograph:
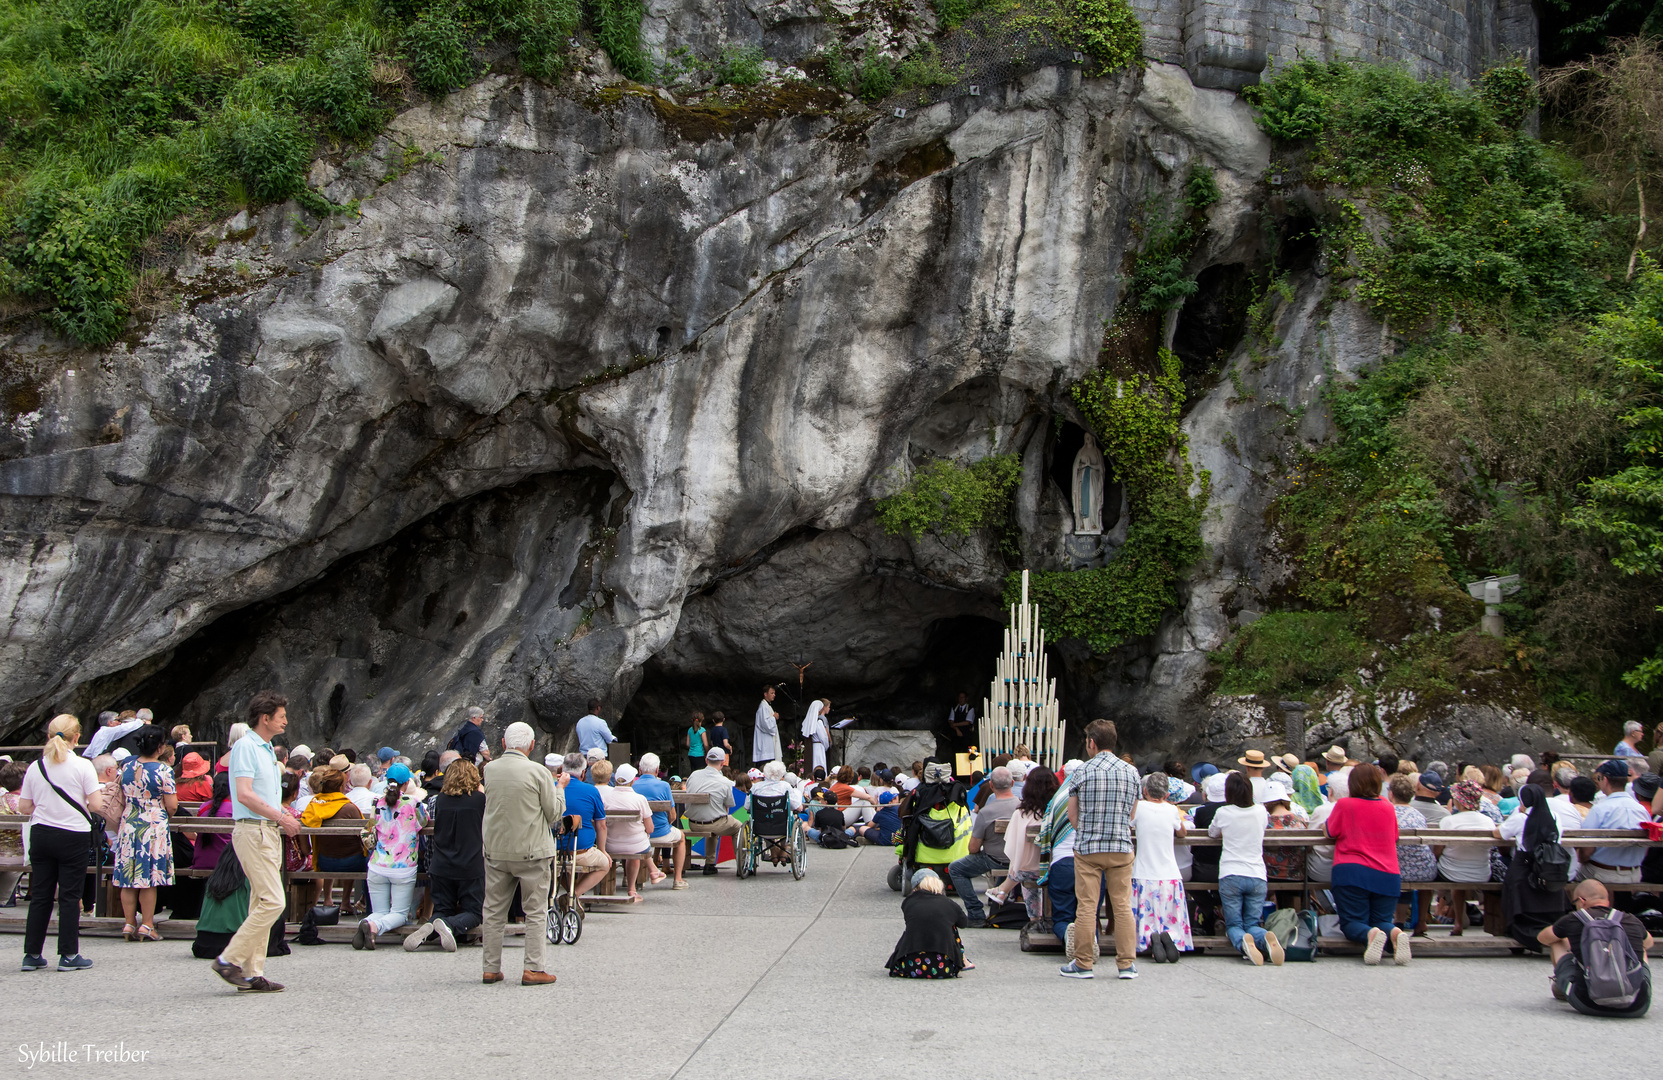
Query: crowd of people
(487, 828)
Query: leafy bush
(950, 499)
(1200, 188)
(950, 13)
(1160, 281)
(1108, 31)
(617, 25)
(1290, 108)
(877, 77)
(923, 69)
(436, 46)
(336, 86)
(1291, 652)
(544, 28)
(76, 254)
(1510, 93)
(272, 25)
(270, 153)
(740, 65)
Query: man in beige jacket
(522, 805)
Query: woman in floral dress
(1159, 903)
(143, 854)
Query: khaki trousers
(1117, 865)
(259, 846)
(532, 876)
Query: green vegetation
(740, 66)
(1135, 418)
(617, 25)
(1511, 432)
(120, 116)
(950, 499)
(1292, 652)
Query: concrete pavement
(786, 979)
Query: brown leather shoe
(536, 978)
(492, 977)
(259, 984)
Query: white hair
(519, 736)
(1632, 726)
(774, 770)
(1339, 785)
(238, 730)
(101, 763)
(475, 712)
(360, 775)
(649, 764)
(447, 757)
(1000, 778)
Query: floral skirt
(142, 857)
(924, 965)
(1161, 905)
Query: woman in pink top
(627, 838)
(1366, 880)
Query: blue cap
(1615, 769)
(398, 774)
(885, 798)
(1202, 771)
(386, 753)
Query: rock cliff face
(592, 397)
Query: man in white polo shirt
(257, 810)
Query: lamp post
(1491, 590)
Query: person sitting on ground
(399, 820)
(456, 859)
(857, 803)
(1242, 883)
(587, 841)
(1573, 963)
(654, 789)
(1025, 867)
(626, 837)
(987, 845)
(930, 947)
(1366, 878)
(334, 854)
(1158, 900)
(937, 831)
(826, 825)
(886, 823)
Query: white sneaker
(1400, 950)
(1068, 943)
(1376, 946)
(417, 937)
(1127, 972)
(1251, 951)
(447, 940)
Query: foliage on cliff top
(117, 116)
(950, 499)
(1477, 215)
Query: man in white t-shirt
(626, 836)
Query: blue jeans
(390, 901)
(1059, 885)
(962, 871)
(1243, 900)
(1361, 910)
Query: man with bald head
(1564, 940)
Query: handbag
(936, 832)
(326, 914)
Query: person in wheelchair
(774, 831)
(773, 783)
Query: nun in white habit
(816, 731)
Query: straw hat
(1253, 759)
(1334, 755)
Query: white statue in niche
(1087, 491)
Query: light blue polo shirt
(253, 757)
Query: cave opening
(958, 654)
(1211, 325)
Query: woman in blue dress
(143, 854)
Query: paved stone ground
(785, 979)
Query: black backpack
(1549, 867)
(835, 839)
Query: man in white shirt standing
(765, 742)
(260, 824)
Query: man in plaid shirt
(1100, 809)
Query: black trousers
(57, 864)
(460, 902)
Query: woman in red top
(1366, 879)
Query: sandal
(129, 933)
(148, 933)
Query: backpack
(1010, 915)
(1549, 867)
(835, 839)
(1303, 945)
(1609, 967)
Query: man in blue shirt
(257, 835)
(592, 732)
(1617, 810)
(584, 803)
(663, 832)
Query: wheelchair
(773, 833)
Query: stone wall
(1227, 43)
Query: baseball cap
(398, 774)
(302, 750)
(885, 798)
(386, 753)
(555, 761)
(596, 754)
(1613, 768)
(1431, 781)
(755, 774)
(625, 775)
(1018, 768)
(716, 753)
